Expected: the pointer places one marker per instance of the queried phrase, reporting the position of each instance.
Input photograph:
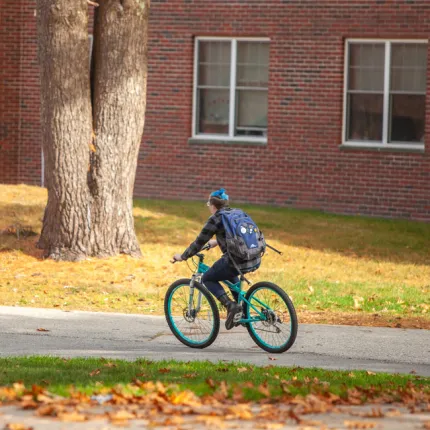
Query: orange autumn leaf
(73, 416)
(121, 415)
(17, 426)
(359, 424)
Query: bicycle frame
(201, 269)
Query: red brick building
(303, 103)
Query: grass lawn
(337, 269)
(89, 376)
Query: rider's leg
(221, 271)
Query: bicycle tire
(292, 317)
(180, 334)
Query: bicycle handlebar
(205, 248)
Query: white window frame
(386, 100)
(232, 106)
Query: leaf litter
(160, 405)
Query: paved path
(394, 418)
(80, 334)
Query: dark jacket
(214, 226)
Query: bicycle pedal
(237, 318)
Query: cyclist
(223, 269)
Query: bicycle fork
(191, 299)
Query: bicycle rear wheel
(196, 326)
(276, 328)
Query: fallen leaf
(374, 413)
(42, 329)
(17, 426)
(71, 416)
(393, 413)
(187, 398)
(94, 372)
(28, 404)
(121, 415)
(164, 370)
(272, 358)
(242, 369)
(370, 373)
(241, 411)
(46, 410)
(109, 364)
(271, 426)
(264, 389)
(358, 301)
(359, 424)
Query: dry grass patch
(337, 269)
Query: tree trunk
(119, 101)
(91, 133)
(66, 126)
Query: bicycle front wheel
(191, 313)
(274, 328)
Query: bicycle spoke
(194, 326)
(275, 331)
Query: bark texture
(66, 126)
(92, 129)
(119, 98)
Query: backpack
(244, 239)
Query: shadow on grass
(391, 240)
(178, 222)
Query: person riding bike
(223, 269)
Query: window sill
(226, 141)
(417, 148)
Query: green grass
(60, 376)
(331, 265)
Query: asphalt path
(131, 336)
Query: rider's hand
(213, 243)
(176, 257)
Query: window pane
(214, 63)
(366, 66)
(407, 118)
(217, 52)
(214, 75)
(252, 64)
(408, 67)
(251, 113)
(365, 117)
(367, 54)
(213, 111)
(366, 79)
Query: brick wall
(10, 37)
(302, 165)
(30, 153)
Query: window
(231, 89)
(385, 91)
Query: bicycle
(194, 318)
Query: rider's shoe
(234, 311)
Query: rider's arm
(209, 229)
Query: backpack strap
(242, 276)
